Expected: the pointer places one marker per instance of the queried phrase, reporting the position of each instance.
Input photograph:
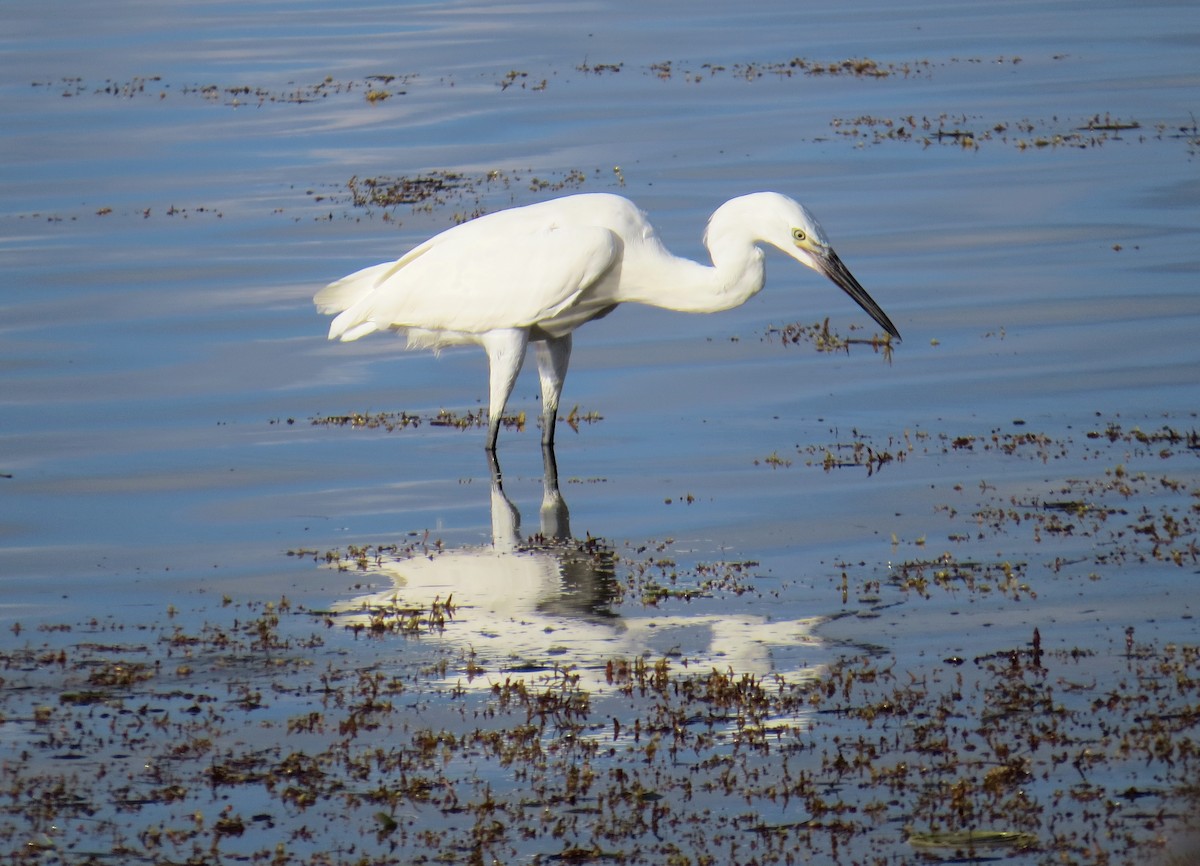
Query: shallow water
(175, 189)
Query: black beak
(832, 267)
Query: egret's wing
(481, 276)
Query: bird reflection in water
(549, 600)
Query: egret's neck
(674, 283)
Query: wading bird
(538, 272)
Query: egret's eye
(799, 236)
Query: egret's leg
(506, 520)
(555, 516)
(506, 352)
(553, 357)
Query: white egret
(538, 272)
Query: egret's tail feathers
(345, 293)
(349, 326)
(358, 331)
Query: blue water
(160, 360)
(160, 247)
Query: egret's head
(787, 225)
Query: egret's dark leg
(555, 516)
(506, 519)
(506, 352)
(494, 468)
(553, 356)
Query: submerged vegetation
(436, 186)
(395, 731)
(393, 421)
(254, 739)
(823, 339)
(971, 132)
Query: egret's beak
(827, 262)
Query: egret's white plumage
(536, 273)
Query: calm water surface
(1015, 184)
